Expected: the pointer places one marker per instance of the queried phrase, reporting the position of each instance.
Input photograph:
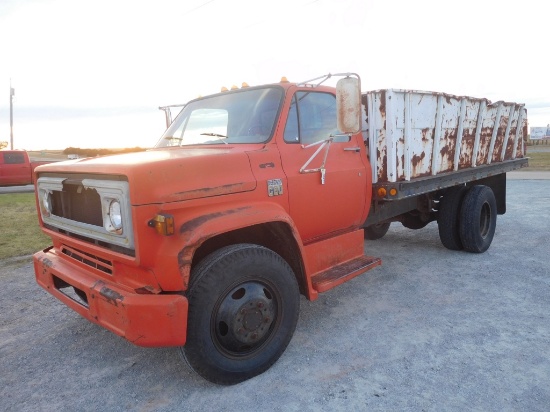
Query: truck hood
(170, 175)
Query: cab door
(327, 179)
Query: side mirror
(348, 105)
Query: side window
(14, 158)
(312, 118)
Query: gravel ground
(430, 330)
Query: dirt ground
(430, 330)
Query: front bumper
(143, 319)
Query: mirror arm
(322, 144)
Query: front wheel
(243, 308)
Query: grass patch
(20, 233)
(539, 161)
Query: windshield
(246, 116)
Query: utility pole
(12, 93)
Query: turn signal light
(382, 192)
(393, 191)
(163, 224)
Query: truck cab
(260, 172)
(15, 168)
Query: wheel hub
(253, 321)
(244, 317)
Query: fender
(203, 223)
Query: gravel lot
(429, 330)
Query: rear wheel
(378, 231)
(243, 309)
(448, 218)
(478, 219)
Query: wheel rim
(485, 220)
(245, 318)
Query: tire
(378, 231)
(244, 304)
(478, 219)
(448, 218)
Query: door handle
(352, 149)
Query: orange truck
(257, 195)
(16, 168)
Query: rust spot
(416, 163)
(383, 105)
(425, 134)
(510, 143)
(383, 169)
(213, 191)
(110, 295)
(400, 159)
(418, 166)
(448, 150)
(467, 149)
(194, 223)
(484, 145)
(499, 141)
(185, 256)
(46, 264)
(146, 290)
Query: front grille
(78, 204)
(93, 261)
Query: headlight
(115, 216)
(46, 203)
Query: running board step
(339, 274)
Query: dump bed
(415, 134)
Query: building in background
(538, 133)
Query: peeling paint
(417, 134)
(111, 296)
(214, 191)
(192, 224)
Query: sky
(92, 74)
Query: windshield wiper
(219, 136)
